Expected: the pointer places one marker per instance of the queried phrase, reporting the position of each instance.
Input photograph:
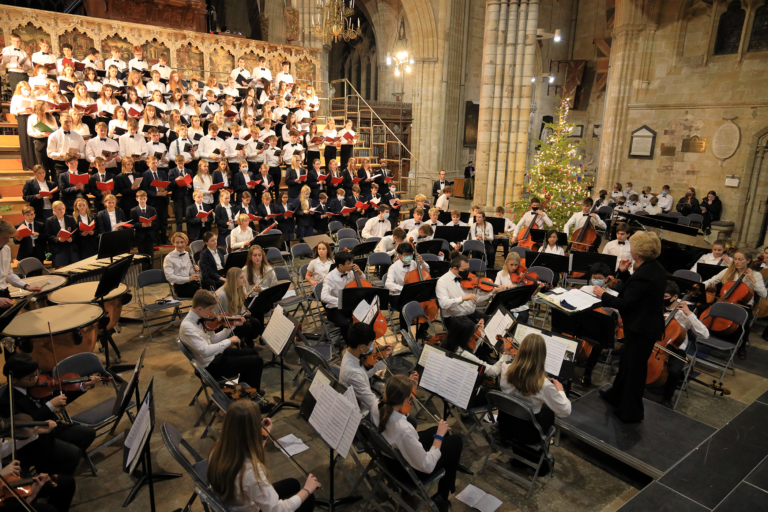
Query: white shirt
(301, 115)
(39, 58)
(333, 283)
(132, 145)
(7, 277)
(546, 249)
(376, 227)
(240, 71)
(387, 245)
(60, 65)
(264, 73)
(475, 233)
(177, 267)
(257, 494)
(618, 249)
(449, 293)
(95, 147)
(318, 269)
(32, 131)
(353, 375)
(644, 199)
(289, 149)
(491, 370)
(709, 259)
(457, 224)
(269, 157)
(112, 216)
(158, 147)
(556, 400)
(410, 224)
(59, 144)
(217, 259)
(665, 202)
(541, 219)
(203, 184)
(207, 145)
(688, 322)
(442, 202)
(165, 71)
(46, 200)
(284, 77)
(119, 64)
(204, 346)
(757, 286)
(20, 55)
(403, 436)
(578, 220)
(653, 210)
(238, 238)
(177, 148)
(396, 275)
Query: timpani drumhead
(83, 293)
(62, 319)
(48, 283)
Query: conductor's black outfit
(641, 305)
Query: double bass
(415, 276)
(734, 292)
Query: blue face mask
(407, 260)
(370, 349)
(663, 192)
(386, 215)
(596, 282)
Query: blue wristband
(437, 437)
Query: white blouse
(268, 280)
(403, 436)
(238, 238)
(319, 269)
(203, 183)
(257, 494)
(548, 250)
(556, 400)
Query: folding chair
(346, 233)
(149, 278)
(29, 265)
(360, 223)
(300, 251)
(428, 256)
(519, 408)
(725, 311)
(203, 386)
(332, 334)
(520, 251)
(687, 274)
(98, 417)
(283, 252)
(304, 289)
(275, 256)
(300, 300)
(347, 243)
(477, 266)
(333, 227)
(697, 220)
(218, 398)
(401, 477)
(196, 247)
(547, 276)
(310, 360)
(683, 221)
(381, 260)
(197, 469)
(674, 214)
(474, 247)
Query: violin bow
(290, 457)
(24, 504)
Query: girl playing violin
(740, 264)
(233, 300)
(58, 496)
(237, 467)
(510, 276)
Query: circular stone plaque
(726, 141)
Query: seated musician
(509, 277)
(259, 275)
(526, 378)
(389, 243)
(237, 467)
(336, 280)
(716, 257)
(379, 225)
(634, 205)
(551, 246)
(579, 219)
(211, 263)
(59, 451)
(7, 276)
(666, 202)
(458, 340)
(396, 277)
(242, 235)
(741, 263)
(483, 231)
(456, 219)
(423, 233)
(509, 227)
(620, 246)
(417, 214)
(653, 207)
(620, 207)
(535, 216)
(688, 321)
(180, 270)
(319, 267)
(220, 353)
(426, 451)
(58, 496)
(452, 298)
(354, 375)
(233, 301)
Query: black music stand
(539, 236)
(430, 246)
(418, 292)
(110, 280)
(452, 233)
(281, 354)
(438, 269)
(115, 243)
(142, 436)
(554, 262)
(708, 271)
(511, 299)
(354, 296)
(464, 217)
(497, 223)
(268, 240)
(583, 261)
(126, 392)
(236, 259)
(447, 403)
(363, 248)
(265, 301)
(305, 411)
(444, 217)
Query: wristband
(437, 437)
(308, 493)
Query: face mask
(464, 274)
(407, 260)
(386, 215)
(535, 208)
(664, 193)
(370, 349)
(596, 282)
(671, 301)
(25, 92)
(393, 190)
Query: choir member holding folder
(31, 244)
(144, 218)
(101, 183)
(110, 218)
(180, 189)
(40, 193)
(60, 230)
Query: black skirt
(346, 154)
(329, 153)
(25, 144)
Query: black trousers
(161, 205)
(40, 146)
(58, 452)
(341, 318)
(277, 175)
(243, 361)
(504, 243)
(290, 487)
(675, 373)
(180, 203)
(248, 332)
(515, 429)
(187, 289)
(59, 498)
(629, 385)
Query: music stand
(280, 347)
(438, 269)
(430, 246)
(355, 296)
(685, 285)
(452, 233)
(419, 291)
(444, 217)
(497, 223)
(139, 436)
(554, 262)
(363, 248)
(113, 275)
(539, 236)
(268, 240)
(583, 261)
(236, 259)
(511, 299)
(464, 217)
(708, 271)
(115, 243)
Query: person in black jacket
(157, 197)
(241, 180)
(31, 194)
(711, 210)
(212, 268)
(225, 216)
(104, 222)
(127, 184)
(32, 246)
(321, 214)
(181, 195)
(58, 452)
(265, 209)
(439, 185)
(100, 176)
(688, 204)
(69, 192)
(63, 250)
(469, 180)
(293, 175)
(87, 242)
(266, 184)
(145, 232)
(315, 186)
(352, 201)
(641, 306)
(286, 223)
(197, 226)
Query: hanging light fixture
(334, 21)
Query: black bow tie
(416, 223)
(406, 265)
(263, 69)
(156, 143)
(382, 221)
(102, 140)
(343, 275)
(622, 243)
(45, 53)
(131, 136)
(585, 214)
(66, 132)
(457, 279)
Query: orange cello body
(584, 239)
(735, 292)
(380, 323)
(525, 239)
(417, 275)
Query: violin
(21, 421)
(734, 292)
(527, 278)
(416, 276)
(472, 282)
(510, 346)
(379, 323)
(378, 353)
(216, 322)
(69, 382)
(240, 392)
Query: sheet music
(361, 310)
(590, 290)
(578, 299)
(571, 346)
(496, 326)
(479, 499)
(319, 381)
(450, 378)
(335, 418)
(349, 433)
(521, 331)
(349, 394)
(291, 445)
(138, 433)
(555, 354)
(279, 331)
(425, 354)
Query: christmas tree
(558, 184)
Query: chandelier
(334, 21)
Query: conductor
(641, 305)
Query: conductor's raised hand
(624, 264)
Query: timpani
(85, 293)
(48, 283)
(74, 328)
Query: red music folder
(78, 179)
(185, 180)
(109, 185)
(43, 193)
(88, 227)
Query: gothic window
(729, 29)
(758, 39)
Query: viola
(378, 353)
(216, 322)
(472, 282)
(22, 486)
(240, 392)
(20, 422)
(379, 323)
(69, 382)
(416, 276)
(735, 292)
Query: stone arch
(730, 27)
(191, 58)
(421, 23)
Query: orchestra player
(396, 277)
(619, 247)
(451, 297)
(336, 280)
(7, 276)
(716, 257)
(578, 219)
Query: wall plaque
(643, 143)
(726, 141)
(694, 145)
(668, 150)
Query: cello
(379, 323)
(416, 276)
(734, 292)
(525, 239)
(585, 239)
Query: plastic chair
(331, 332)
(697, 220)
(284, 253)
(674, 214)
(149, 278)
(310, 360)
(684, 221)
(687, 274)
(519, 408)
(428, 256)
(519, 250)
(344, 233)
(300, 251)
(360, 223)
(304, 289)
(99, 417)
(476, 265)
(381, 260)
(29, 265)
(605, 212)
(347, 243)
(544, 274)
(725, 311)
(299, 300)
(196, 247)
(334, 226)
(473, 246)
(274, 255)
